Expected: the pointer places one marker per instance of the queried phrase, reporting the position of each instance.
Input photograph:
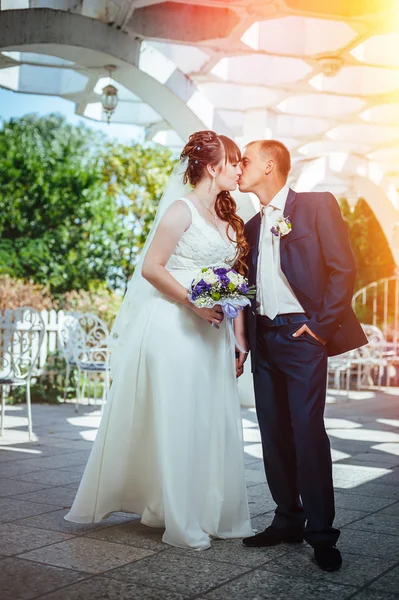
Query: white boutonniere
(282, 228)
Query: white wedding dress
(169, 446)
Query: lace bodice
(200, 246)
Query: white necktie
(269, 296)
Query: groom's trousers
(290, 390)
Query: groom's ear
(269, 166)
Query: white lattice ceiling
(257, 68)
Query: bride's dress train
(169, 446)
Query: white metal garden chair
(380, 357)
(66, 333)
(363, 362)
(21, 336)
(340, 367)
(89, 342)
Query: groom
(302, 264)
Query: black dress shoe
(273, 536)
(328, 558)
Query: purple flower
(243, 288)
(200, 288)
(224, 280)
(220, 271)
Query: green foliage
(136, 176)
(75, 208)
(56, 223)
(373, 255)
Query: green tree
(373, 255)
(136, 176)
(57, 225)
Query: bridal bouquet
(226, 287)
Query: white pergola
(321, 76)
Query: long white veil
(139, 290)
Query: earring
(213, 186)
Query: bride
(169, 446)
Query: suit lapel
(255, 241)
(288, 214)
(255, 230)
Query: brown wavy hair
(208, 148)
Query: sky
(15, 104)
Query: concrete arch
(377, 190)
(386, 213)
(85, 40)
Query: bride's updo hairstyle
(207, 148)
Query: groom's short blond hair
(277, 151)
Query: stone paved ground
(44, 556)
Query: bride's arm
(240, 335)
(174, 223)
(239, 330)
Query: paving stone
(53, 476)
(54, 521)
(13, 509)
(233, 552)
(368, 543)
(260, 500)
(254, 476)
(362, 503)
(251, 434)
(33, 450)
(59, 461)
(259, 508)
(75, 485)
(11, 487)
(62, 497)
(378, 523)
(374, 489)
(369, 594)
(133, 533)
(16, 468)
(379, 459)
(262, 584)
(355, 570)
(71, 446)
(355, 475)
(179, 573)
(15, 539)
(22, 579)
(367, 482)
(77, 469)
(391, 478)
(102, 588)
(258, 465)
(8, 454)
(86, 554)
(388, 582)
(74, 436)
(344, 516)
(259, 490)
(393, 509)
(260, 522)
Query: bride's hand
(241, 357)
(212, 315)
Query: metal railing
(378, 304)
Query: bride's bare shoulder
(178, 213)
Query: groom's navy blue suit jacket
(317, 259)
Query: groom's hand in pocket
(304, 328)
